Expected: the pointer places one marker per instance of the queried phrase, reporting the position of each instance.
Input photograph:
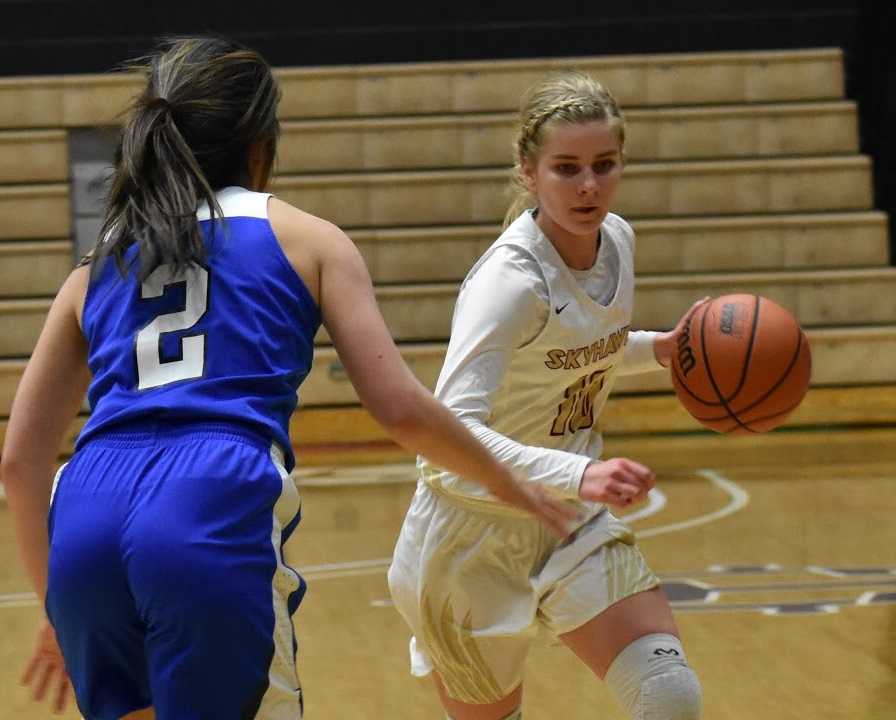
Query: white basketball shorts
(474, 586)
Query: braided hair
(570, 97)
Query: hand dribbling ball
(742, 364)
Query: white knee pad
(652, 680)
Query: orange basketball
(742, 364)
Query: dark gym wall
(40, 37)
(65, 36)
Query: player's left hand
(665, 343)
(555, 514)
(46, 670)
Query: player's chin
(590, 218)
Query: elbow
(18, 469)
(405, 418)
(10, 470)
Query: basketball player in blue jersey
(163, 573)
(540, 331)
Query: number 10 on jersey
(576, 411)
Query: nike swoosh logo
(560, 309)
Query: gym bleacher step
(35, 211)
(496, 85)
(840, 357)
(422, 312)
(817, 298)
(458, 87)
(33, 268)
(443, 197)
(699, 245)
(688, 133)
(433, 254)
(33, 156)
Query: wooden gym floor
(783, 579)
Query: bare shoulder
(71, 295)
(295, 226)
(309, 242)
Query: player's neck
(579, 252)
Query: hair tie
(162, 103)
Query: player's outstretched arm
(413, 417)
(646, 351)
(48, 397)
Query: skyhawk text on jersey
(582, 356)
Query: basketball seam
(709, 374)
(759, 419)
(786, 411)
(690, 392)
(790, 366)
(746, 364)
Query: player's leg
(602, 638)
(208, 568)
(460, 579)
(634, 646)
(507, 708)
(602, 600)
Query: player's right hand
(46, 671)
(665, 344)
(555, 514)
(618, 482)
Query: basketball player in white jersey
(540, 331)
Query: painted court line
(656, 501)
(11, 600)
(739, 499)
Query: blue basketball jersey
(227, 342)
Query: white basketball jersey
(555, 387)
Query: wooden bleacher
(743, 175)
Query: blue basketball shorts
(167, 584)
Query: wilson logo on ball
(726, 321)
(686, 359)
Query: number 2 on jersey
(576, 411)
(152, 370)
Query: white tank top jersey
(534, 398)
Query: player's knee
(652, 680)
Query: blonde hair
(570, 97)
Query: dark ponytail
(206, 102)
